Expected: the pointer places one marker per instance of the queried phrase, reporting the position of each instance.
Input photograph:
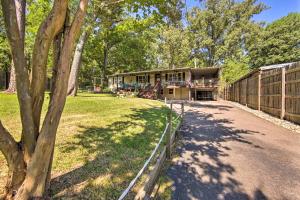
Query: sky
(278, 9)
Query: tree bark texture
(76, 64)
(12, 87)
(14, 157)
(15, 28)
(30, 160)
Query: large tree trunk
(37, 172)
(30, 161)
(103, 69)
(76, 64)
(12, 87)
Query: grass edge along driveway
(102, 142)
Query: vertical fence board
(252, 91)
(271, 81)
(243, 92)
(292, 90)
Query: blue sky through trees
(278, 8)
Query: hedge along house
(175, 84)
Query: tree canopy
(134, 35)
(278, 42)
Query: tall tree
(76, 64)
(100, 14)
(30, 159)
(173, 47)
(173, 43)
(97, 9)
(218, 28)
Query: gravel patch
(284, 123)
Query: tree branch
(16, 41)
(51, 26)
(8, 146)
(15, 161)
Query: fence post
(282, 93)
(259, 90)
(168, 138)
(182, 109)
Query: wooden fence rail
(164, 151)
(274, 91)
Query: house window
(115, 80)
(170, 91)
(175, 77)
(120, 80)
(172, 77)
(179, 76)
(141, 79)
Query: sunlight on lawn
(102, 142)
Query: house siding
(178, 93)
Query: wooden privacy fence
(163, 151)
(273, 90)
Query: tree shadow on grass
(200, 172)
(114, 155)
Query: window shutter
(122, 79)
(183, 76)
(137, 79)
(148, 78)
(166, 77)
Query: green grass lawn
(102, 142)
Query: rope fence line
(133, 182)
(168, 130)
(176, 118)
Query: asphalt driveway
(228, 153)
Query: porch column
(195, 94)
(180, 93)
(174, 93)
(190, 94)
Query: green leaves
(5, 55)
(278, 42)
(173, 47)
(219, 28)
(234, 69)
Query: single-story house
(175, 84)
